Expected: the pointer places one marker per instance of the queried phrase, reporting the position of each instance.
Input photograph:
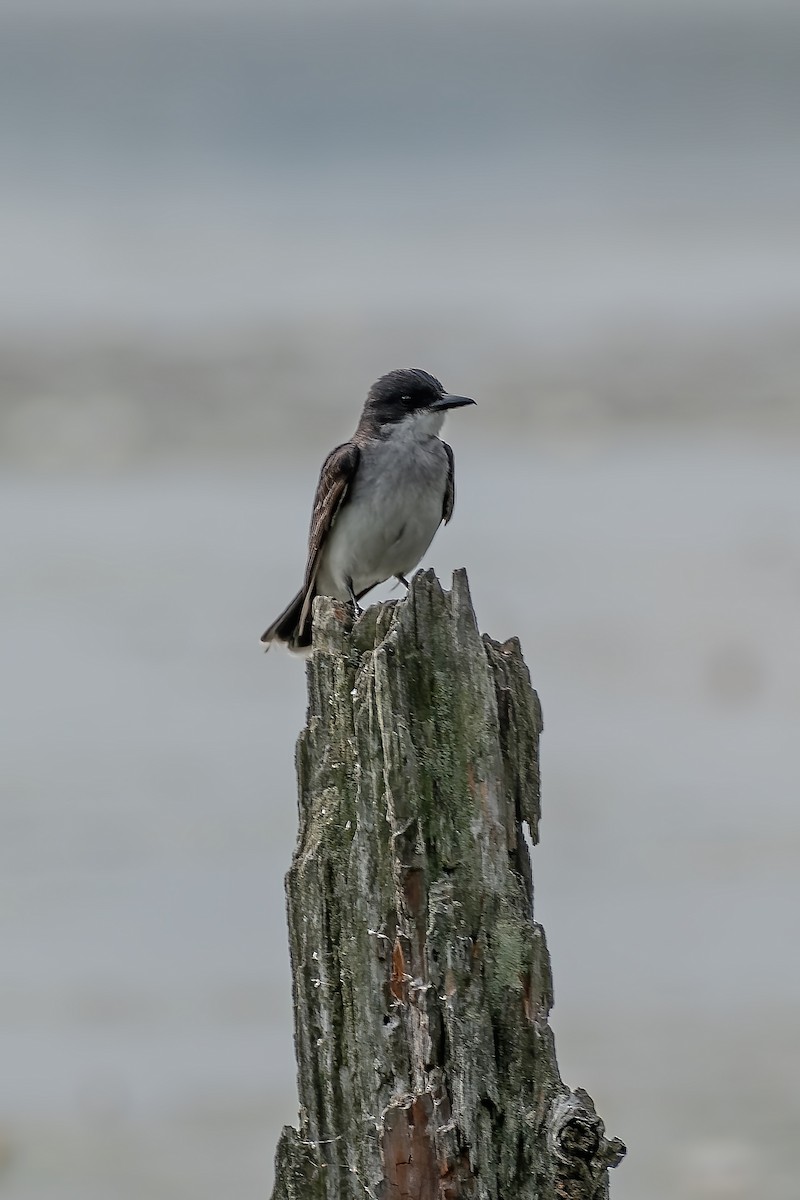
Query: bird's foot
(357, 610)
(402, 579)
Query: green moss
(509, 956)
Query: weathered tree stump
(422, 987)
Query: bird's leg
(402, 579)
(353, 597)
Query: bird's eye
(405, 399)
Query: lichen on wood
(422, 987)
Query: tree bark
(422, 987)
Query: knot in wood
(580, 1150)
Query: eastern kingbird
(380, 499)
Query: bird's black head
(408, 392)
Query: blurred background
(219, 222)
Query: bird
(380, 499)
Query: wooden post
(422, 987)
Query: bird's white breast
(393, 511)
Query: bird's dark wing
(336, 476)
(450, 490)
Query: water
(149, 810)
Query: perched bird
(380, 499)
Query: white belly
(390, 520)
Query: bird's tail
(293, 626)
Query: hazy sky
(31, 8)
(237, 157)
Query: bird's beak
(446, 401)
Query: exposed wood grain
(422, 988)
